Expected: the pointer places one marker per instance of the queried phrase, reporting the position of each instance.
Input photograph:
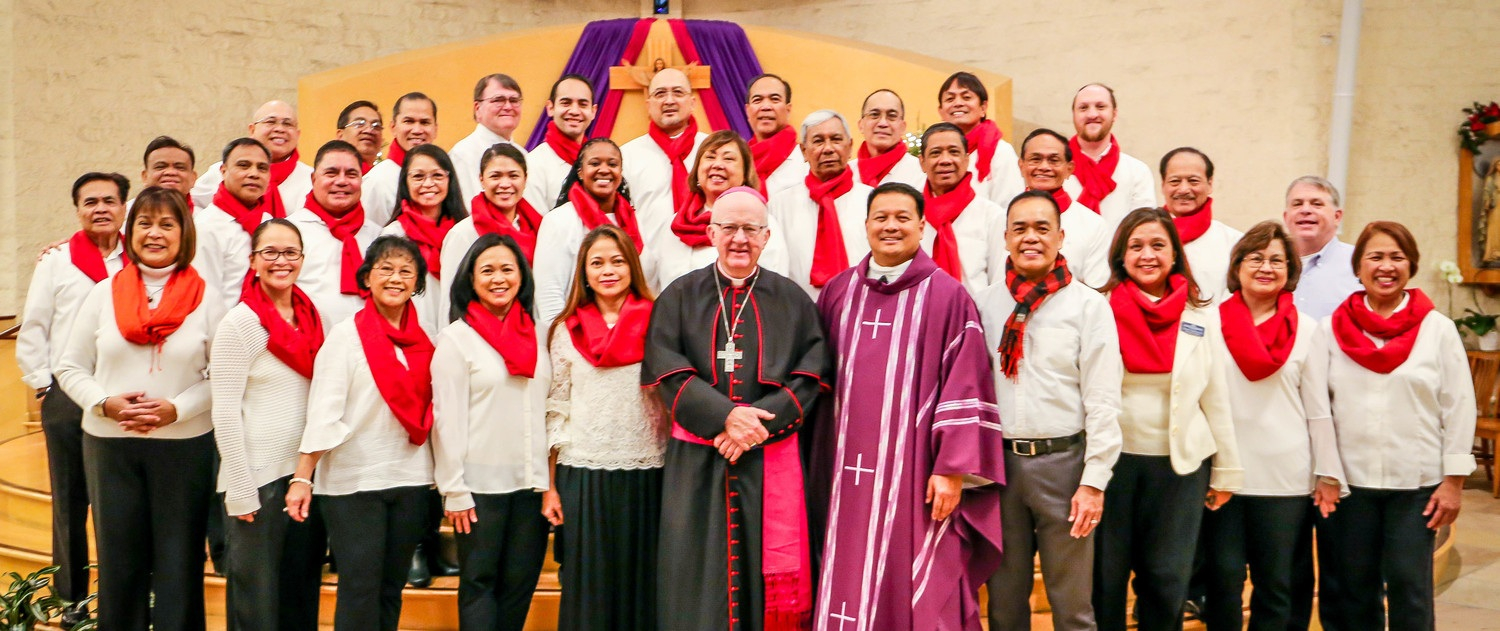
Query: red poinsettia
(1472, 132)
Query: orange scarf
(138, 322)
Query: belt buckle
(1015, 447)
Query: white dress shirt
(1208, 255)
(601, 418)
(556, 259)
(648, 170)
(489, 432)
(908, 171)
(368, 449)
(545, 173)
(1135, 187)
(669, 259)
(432, 309)
(1327, 279)
(798, 216)
(1005, 181)
(57, 289)
(791, 173)
(293, 191)
(1069, 376)
(980, 231)
(223, 255)
(323, 265)
(466, 154)
(377, 193)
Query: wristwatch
(99, 407)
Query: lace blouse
(601, 418)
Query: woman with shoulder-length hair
(1179, 441)
(369, 412)
(607, 436)
(489, 436)
(428, 205)
(593, 194)
(1392, 374)
(1267, 528)
(137, 362)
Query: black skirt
(607, 548)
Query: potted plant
(23, 605)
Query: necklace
(731, 352)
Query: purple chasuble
(914, 397)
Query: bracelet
(301, 481)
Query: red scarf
(606, 347)
(872, 168)
(427, 234)
(1148, 330)
(407, 389)
(566, 148)
(1028, 295)
(248, 218)
(395, 153)
(593, 216)
(679, 152)
(984, 138)
(489, 219)
(86, 257)
(295, 345)
(769, 154)
(942, 211)
(1353, 320)
(364, 167)
(513, 336)
(1195, 224)
(829, 254)
(137, 321)
(1259, 349)
(280, 171)
(690, 224)
(1096, 178)
(345, 228)
(1063, 199)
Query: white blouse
(368, 449)
(57, 289)
(489, 432)
(601, 418)
(556, 258)
(432, 309)
(323, 265)
(545, 172)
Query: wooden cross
(842, 616)
(659, 53)
(877, 324)
(730, 355)
(858, 468)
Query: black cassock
(709, 576)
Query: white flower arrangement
(1451, 273)
(913, 142)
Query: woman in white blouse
(499, 208)
(262, 356)
(369, 412)
(428, 205)
(1268, 526)
(607, 436)
(137, 362)
(489, 436)
(1392, 374)
(1179, 444)
(594, 194)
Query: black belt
(1041, 446)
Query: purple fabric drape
(732, 63)
(601, 45)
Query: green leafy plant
(1476, 322)
(24, 604)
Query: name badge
(1192, 329)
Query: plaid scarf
(1029, 295)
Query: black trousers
(501, 560)
(373, 534)
(62, 426)
(1262, 533)
(1377, 544)
(151, 499)
(275, 566)
(1150, 526)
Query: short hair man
(1312, 217)
(1046, 163)
(883, 155)
(571, 107)
(413, 123)
(768, 107)
(964, 101)
(1105, 179)
(966, 238)
(335, 232)
(1057, 376)
(656, 164)
(360, 125)
(169, 164)
(1187, 185)
(242, 203)
(823, 215)
(497, 112)
(274, 125)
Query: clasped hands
(136, 412)
(744, 429)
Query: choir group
(298, 362)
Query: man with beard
(1105, 179)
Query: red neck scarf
(248, 218)
(1096, 178)
(1259, 349)
(396, 153)
(606, 347)
(593, 216)
(427, 234)
(566, 148)
(280, 171)
(873, 168)
(679, 152)
(407, 389)
(86, 257)
(345, 228)
(1195, 224)
(1063, 199)
(1353, 320)
(489, 219)
(513, 336)
(690, 224)
(771, 153)
(984, 138)
(137, 321)
(1028, 295)
(829, 254)
(1148, 330)
(296, 345)
(942, 211)
(364, 167)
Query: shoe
(439, 564)
(1193, 608)
(420, 574)
(72, 617)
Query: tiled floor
(1468, 594)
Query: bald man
(882, 157)
(275, 126)
(656, 164)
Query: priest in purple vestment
(910, 459)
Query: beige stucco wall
(1249, 83)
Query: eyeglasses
(277, 122)
(1052, 160)
(385, 271)
(729, 229)
(270, 255)
(497, 101)
(1255, 262)
(360, 123)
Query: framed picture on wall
(1479, 195)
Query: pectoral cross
(842, 616)
(730, 355)
(858, 468)
(877, 324)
